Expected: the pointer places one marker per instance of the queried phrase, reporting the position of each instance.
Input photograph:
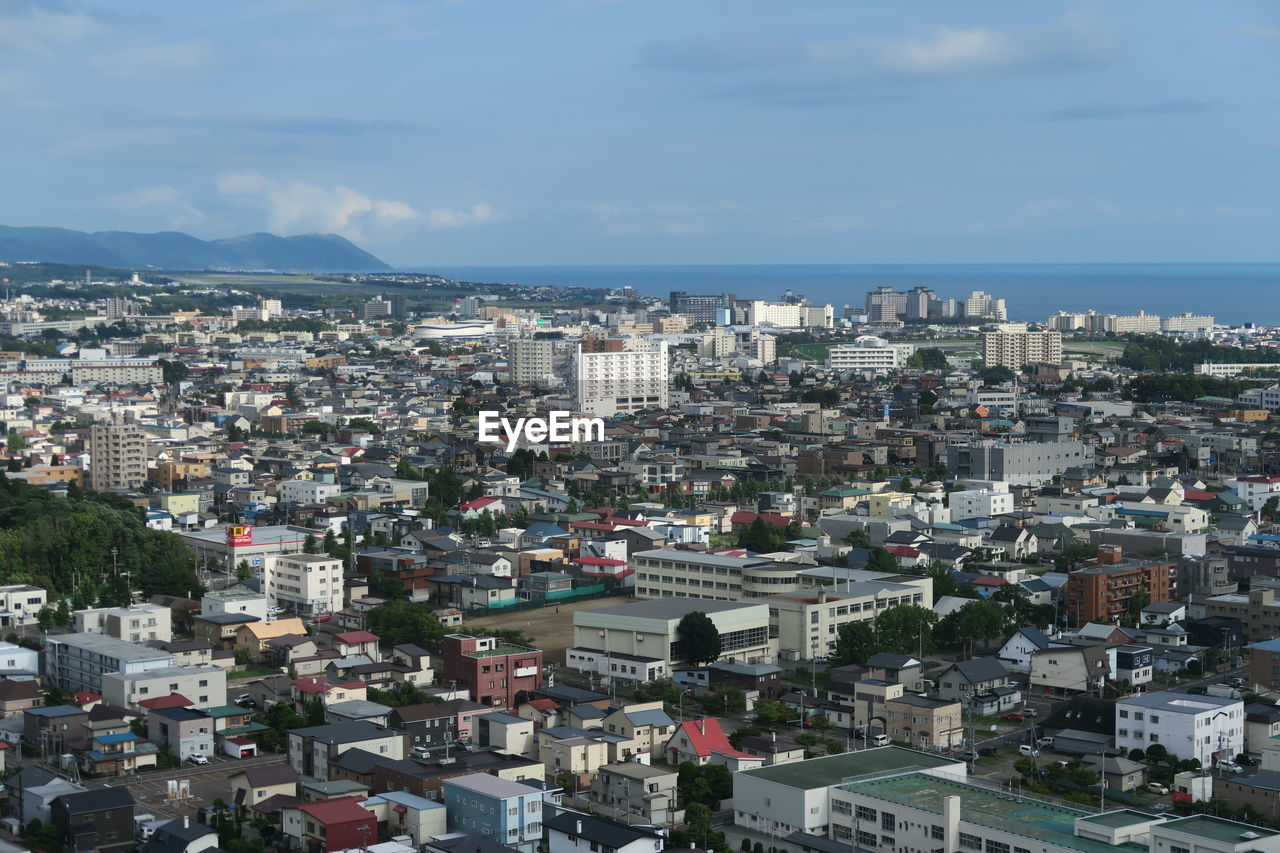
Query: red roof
(353, 637)
(480, 503)
(84, 697)
(988, 580)
(1198, 495)
(766, 517)
(173, 700)
(902, 551)
(546, 706)
(706, 737)
(313, 685)
(341, 810)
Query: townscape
(898, 574)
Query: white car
(1225, 766)
(198, 759)
(1029, 750)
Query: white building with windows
(304, 584)
(205, 686)
(619, 383)
(137, 623)
(869, 353)
(1206, 728)
(20, 604)
(308, 491)
(980, 503)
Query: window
(936, 832)
(1173, 848)
(970, 842)
(864, 813)
(887, 821)
(866, 839)
(997, 847)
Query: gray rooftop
(108, 646)
(1179, 703)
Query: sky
(506, 132)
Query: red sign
(239, 534)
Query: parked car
(1026, 749)
(987, 751)
(1245, 761)
(1157, 788)
(1044, 743)
(198, 759)
(1028, 712)
(242, 698)
(1015, 717)
(1197, 691)
(880, 740)
(1225, 766)
(969, 756)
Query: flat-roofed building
(76, 662)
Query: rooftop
(834, 769)
(1217, 829)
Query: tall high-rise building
(532, 361)
(119, 307)
(117, 457)
(399, 304)
(885, 303)
(984, 305)
(375, 309)
(271, 308)
(702, 307)
(1012, 347)
(619, 383)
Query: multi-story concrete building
(984, 305)
(117, 457)
(1026, 464)
(1102, 592)
(492, 670)
(205, 686)
(76, 662)
(620, 383)
(922, 722)
(533, 361)
(789, 315)
(637, 793)
(1012, 348)
(483, 805)
(640, 641)
(701, 307)
(20, 604)
(308, 491)
(807, 624)
(868, 354)
(304, 584)
(137, 623)
(1206, 728)
(311, 749)
(980, 503)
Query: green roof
(1117, 819)
(1030, 818)
(834, 769)
(224, 711)
(1216, 828)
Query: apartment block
(1206, 728)
(619, 383)
(492, 670)
(137, 623)
(78, 662)
(304, 584)
(533, 361)
(117, 457)
(205, 686)
(1012, 348)
(483, 805)
(20, 604)
(1101, 592)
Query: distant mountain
(173, 250)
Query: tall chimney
(578, 827)
(702, 726)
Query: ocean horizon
(1232, 293)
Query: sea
(1232, 293)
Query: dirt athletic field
(551, 628)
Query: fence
(515, 605)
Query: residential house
(253, 785)
(329, 825)
(480, 804)
(1064, 670)
(99, 820)
(703, 742)
(572, 832)
(982, 683)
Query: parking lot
(208, 783)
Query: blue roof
(652, 717)
(123, 737)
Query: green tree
(15, 442)
(699, 639)
(881, 560)
(243, 571)
(400, 621)
(858, 537)
(855, 643)
(309, 545)
(906, 629)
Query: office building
(1206, 728)
(493, 671)
(790, 315)
(398, 304)
(702, 307)
(304, 584)
(623, 382)
(1013, 346)
(634, 641)
(1101, 592)
(807, 624)
(375, 309)
(117, 457)
(1029, 464)
(533, 361)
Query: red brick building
(1101, 591)
(494, 671)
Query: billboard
(239, 534)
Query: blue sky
(695, 131)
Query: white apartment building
(308, 491)
(869, 353)
(137, 623)
(788, 315)
(1012, 347)
(20, 604)
(1141, 323)
(979, 304)
(1187, 323)
(78, 662)
(1261, 398)
(619, 383)
(532, 361)
(237, 601)
(1256, 491)
(1206, 728)
(303, 584)
(980, 503)
(206, 686)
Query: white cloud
(160, 201)
(295, 206)
(37, 28)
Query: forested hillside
(64, 545)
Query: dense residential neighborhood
(806, 578)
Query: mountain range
(174, 250)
